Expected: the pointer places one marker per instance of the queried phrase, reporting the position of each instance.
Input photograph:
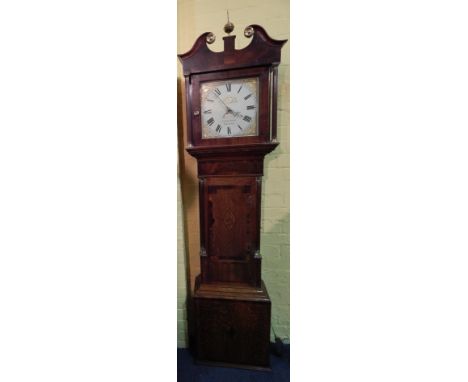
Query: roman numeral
(210, 121)
(250, 107)
(207, 111)
(248, 96)
(240, 88)
(229, 130)
(247, 118)
(228, 87)
(239, 127)
(209, 100)
(217, 91)
(218, 128)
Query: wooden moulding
(230, 291)
(231, 150)
(262, 50)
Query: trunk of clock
(231, 307)
(231, 210)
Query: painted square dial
(229, 108)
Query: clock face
(229, 108)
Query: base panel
(232, 327)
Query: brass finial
(248, 32)
(210, 38)
(229, 27)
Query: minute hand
(227, 107)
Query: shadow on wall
(275, 274)
(275, 240)
(181, 274)
(189, 184)
(189, 201)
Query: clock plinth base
(232, 325)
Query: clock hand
(238, 114)
(229, 110)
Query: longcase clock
(231, 102)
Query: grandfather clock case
(231, 104)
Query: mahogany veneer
(230, 310)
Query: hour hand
(238, 114)
(229, 111)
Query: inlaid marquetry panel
(230, 226)
(231, 218)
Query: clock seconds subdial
(229, 108)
